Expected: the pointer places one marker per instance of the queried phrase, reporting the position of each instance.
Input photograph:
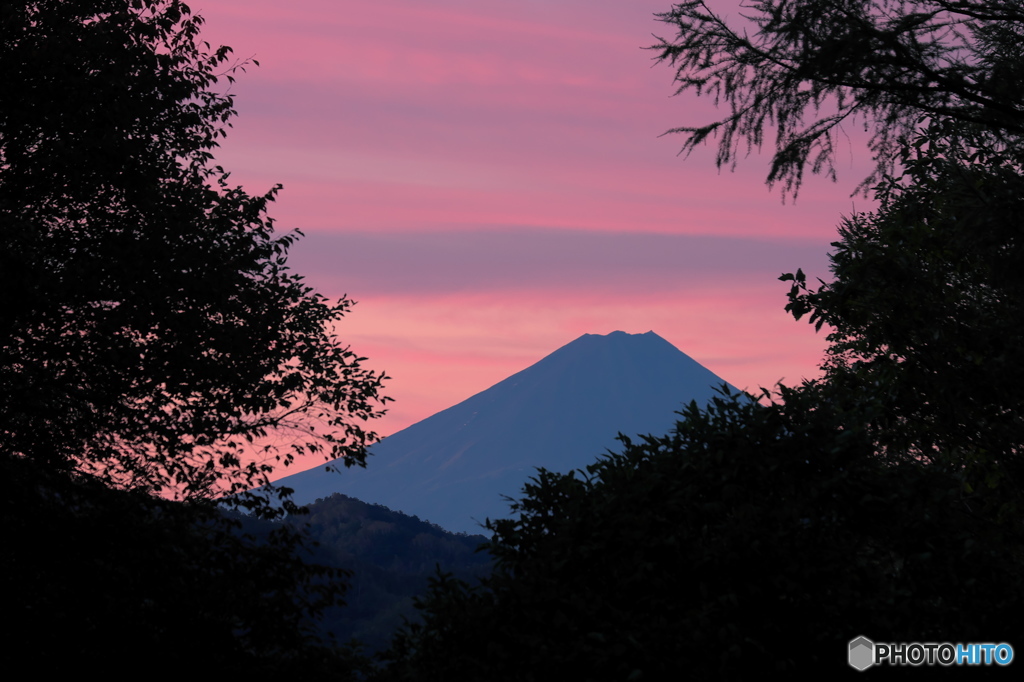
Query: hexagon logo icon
(862, 653)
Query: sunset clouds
(489, 181)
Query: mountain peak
(620, 335)
(560, 413)
(619, 332)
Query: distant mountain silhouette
(391, 556)
(561, 413)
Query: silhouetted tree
(151, 329)
(807, 67)
(751, 538)
(94, 578)
(154, 346)
(925, 314)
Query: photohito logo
(863, 653)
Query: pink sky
(487, 179)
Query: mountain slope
(560, 414)
(391, 557)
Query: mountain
(391, 557)
(561, 413)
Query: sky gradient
(489, 180)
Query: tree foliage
(152, 330)
(808, 67)
(708, 552)
(925, 311)
(95, 577)
(155, 352)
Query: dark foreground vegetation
(95, 577)
(155, 354)
(152, 332)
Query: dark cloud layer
(449, 262)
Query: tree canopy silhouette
(156, 352)
(703, 552)
(925, 312)
(806, 68)
(152, 333)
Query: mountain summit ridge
(560, 413)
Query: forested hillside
(391, 556)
